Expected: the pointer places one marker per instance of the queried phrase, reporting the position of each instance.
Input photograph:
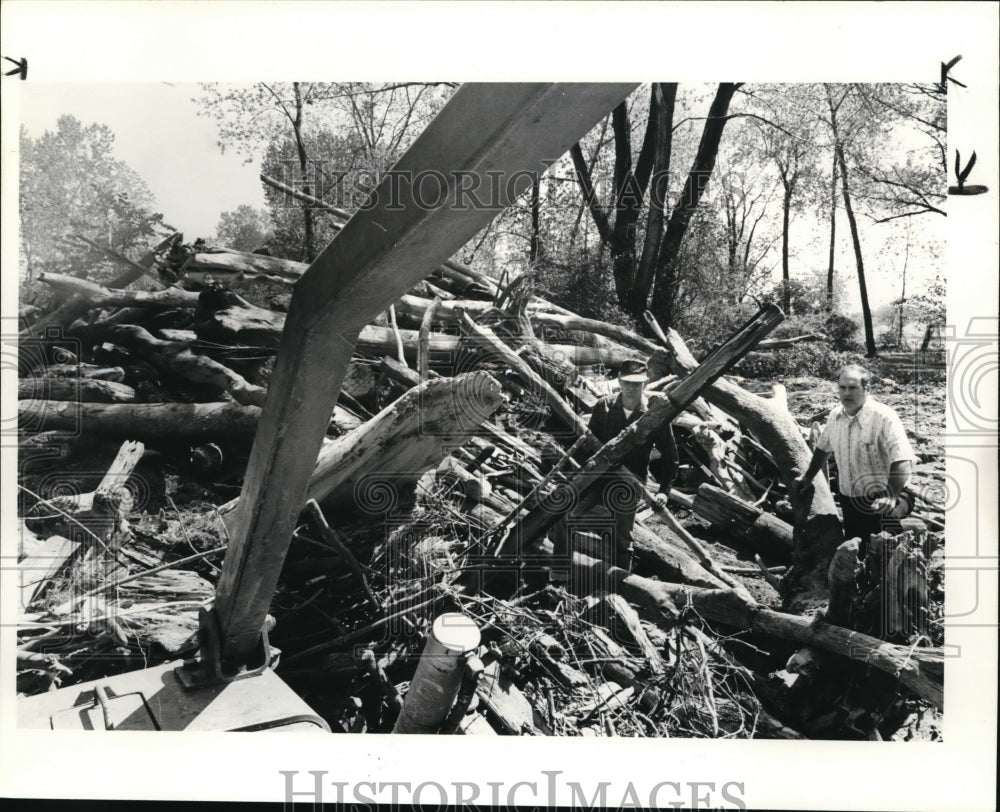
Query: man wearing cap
(610, 417)
(873, 456)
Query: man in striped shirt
(873, 457)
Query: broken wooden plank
(129, 454)
(42, 560)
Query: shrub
(583, 284)
(816, 359)
(842, 331)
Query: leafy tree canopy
(71, 183)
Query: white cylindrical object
(438, 677)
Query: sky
(160, 135)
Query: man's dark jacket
(608, 420)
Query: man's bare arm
(899, 477)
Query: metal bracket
(209, 669)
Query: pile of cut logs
(459, 441)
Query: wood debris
(459, 440)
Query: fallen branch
(395, 334)
(786, 343)
(99, 296)
(630, 618)
(559, 406)
(333, 539)
(423, 342)
(76, 307)
(179, 359)
(135, 267)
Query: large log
(149, 421)
(99, 296)
(374, 465)
(662, 554)
(661, 410)
(84, 390)
(764, 532)
(818, 530)
(142, 420)
(227, 266)
(178, 358)
(921, 670)
(402, 441)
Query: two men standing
(867, 438)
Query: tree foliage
(71, 183)
(244, 229)
(311, 135)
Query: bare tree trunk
(666, 283)
(866, 312)
(630, 186)
(307, 215)
(627, 202)
(533, 247)
(833, 235)
(662, 117)
(788, 185)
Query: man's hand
(661, 500)
(884, 504)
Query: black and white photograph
(552, 401)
